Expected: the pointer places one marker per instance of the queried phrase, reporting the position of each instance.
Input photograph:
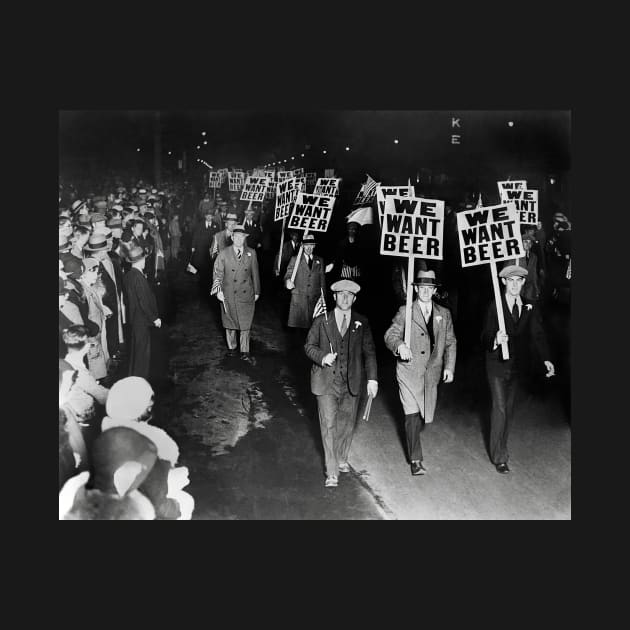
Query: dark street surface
(250, 435)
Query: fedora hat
(309, 239)
(96, 243)
(426, 278)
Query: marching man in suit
(421, 367)
(309, 283)
(237, 286)
(341, 347)
(523, 330)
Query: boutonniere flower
(528, 307)
(438, 318)
(249, 253)
(356, 326)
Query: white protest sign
(311, 212)
(382, 192)
(298, 172)
(214, 180)
(282, 175)
(514, 184)
(328, 186)
(300, 183)
(286, 193)
(254, 189)
(271, 174)
(236, 181)
(489, 234)
(526, 202)
(413, 227)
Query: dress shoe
(503, 468)
(248, 358)
(344, 468)
(417, 468)
(232, 352)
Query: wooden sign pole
(499, 306)
(407, 337)
(284, 223)
(299, 256)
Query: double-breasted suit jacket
(309, 284)
(361, 353)
(240, 283)
(419, 377)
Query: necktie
(344, 326)
(238, 254)
(309, 260)
(515, 311)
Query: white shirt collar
(510, 301)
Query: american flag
(320, 307)
(367, 192)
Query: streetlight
(395, 140)
(302, 154)
(138, 150)
(511, 124)
(347, 148)
(203, 133)
(324, 151)
(170, 153)
(199, 146)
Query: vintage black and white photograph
(314, 315)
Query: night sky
(539, 140)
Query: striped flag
(320, 307)
(367, 192)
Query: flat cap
(345, 285)
(513, 270)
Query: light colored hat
(96, 243)
(426, 278)
(230, 216)
(128, 398)
(97, 216)
(513, 270)
(345, 285)
(308, 239)
(90, 263)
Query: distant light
(302, 154)
(285, 160)
(347, 148)
(552, 180)
(199, 146)
(205, 142)
(324, 151)
(396, 141)
(170, 153)
(292, 158)
(138, 150)
(510, 124)
(203, 133)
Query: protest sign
(214, 180)
(328, 186)
(286, 193)
(514, 184)
(236, 181)
(254, 189)
(382, 192)
(298, 172)
(311, 178)
(311, 212)
(271, 174)
(413, 227)
(300, 183)
(490, 234)
(526, 202)
(282, 175)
